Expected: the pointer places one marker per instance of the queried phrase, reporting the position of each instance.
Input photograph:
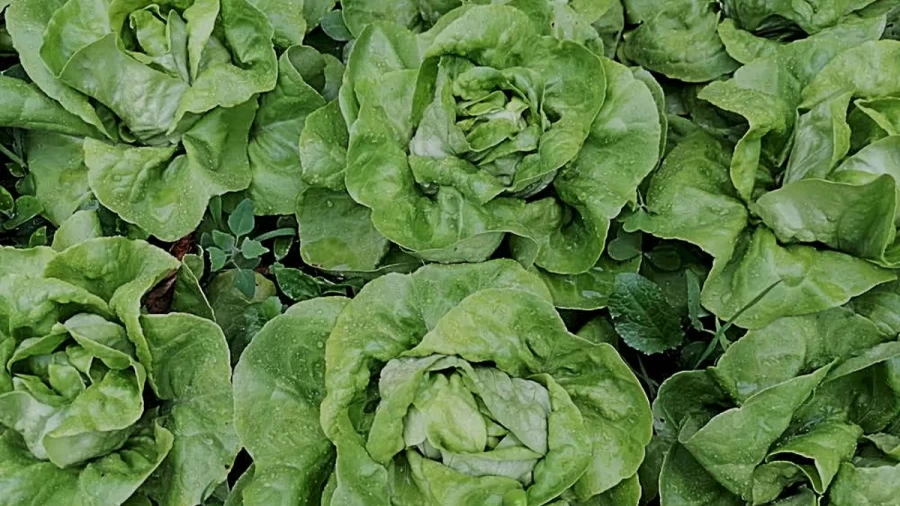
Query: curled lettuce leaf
(768, 89)
(826, 127)
(693, 40)
(452, 385)
(786, 414)
(800, 207)
(848, 203)
(292, 19)
(597, 23)
(811, 17)
(101, 404)
(476, 130)
(162, 98)
(279, 383)
(677, 39)
(693, 199)
(416, 15)
(307, 81)
(444, 196)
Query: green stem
(651, 385)
(280, 232)
(719, 338)
(12, 156)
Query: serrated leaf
(642, 316)
(296, 284)
(253, 249)
(242, 221)
(245, 282)
(224, 241)
(217, 259)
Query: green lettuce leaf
(446, 144)
(785, 407)
(522, 412)
(142, 89)
(103, 404)
(677, 39)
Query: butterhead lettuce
(149, 104)
(99, 403)
(453, 385)
(812, 421)
(480, 130)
